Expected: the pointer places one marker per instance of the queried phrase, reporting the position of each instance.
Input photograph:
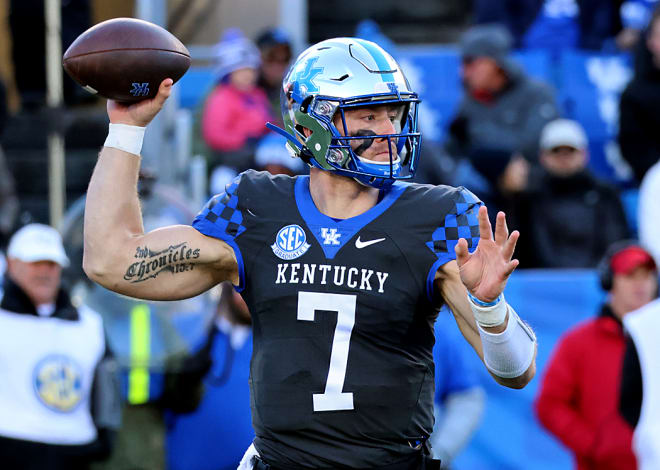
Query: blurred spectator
(648, 211)
(275, 47)
(459, 397)
(502, 112)
(635, 16)
(273, 156)
(8, 201)
(639, 119)
(59, 402)
(640, 395)
(554, 24)
(567, 215)
(215, 435)
(579, 395)
(236, 111)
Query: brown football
(125, 59)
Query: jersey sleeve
(459, 221)
(222, 218)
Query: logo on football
(139, 89)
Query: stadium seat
(630, 202)
(194, 86)
(434, 74)
(589, 89)
(537, 63)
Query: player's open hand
(142, 112)
(486, 270)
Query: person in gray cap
(502, 111)
(569, 215)
(59, 398)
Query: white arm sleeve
(508, 354)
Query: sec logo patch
(290, 242)
(58, 383)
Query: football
(125, 59)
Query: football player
(340, 269)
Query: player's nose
(386, 127)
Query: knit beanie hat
(235, 51)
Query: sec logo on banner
(58, 383)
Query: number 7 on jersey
(333, 399)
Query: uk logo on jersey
(330, 236)
(58, 383)
(290, 242)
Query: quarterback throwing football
(342, 270)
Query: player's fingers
(462, 254)
(510, 245)
(166, 84)
(501, 229)
(511, 266)
(164, 90)
(485, 229)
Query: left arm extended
(484, 274)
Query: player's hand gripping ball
(125, 59)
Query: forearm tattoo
(174, 259)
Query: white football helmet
(337, 75)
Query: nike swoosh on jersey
(360, 244)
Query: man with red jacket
(578, 398)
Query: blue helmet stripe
(379, 58)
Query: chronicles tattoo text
(174, 259)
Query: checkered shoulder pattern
(460, 222)
(221, 218)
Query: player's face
(378, 120)
(40, 280)
(635, 289)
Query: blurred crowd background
(547, 110)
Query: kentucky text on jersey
(354, 278)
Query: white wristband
(487, 316)
(510, 353)
(125, 137)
